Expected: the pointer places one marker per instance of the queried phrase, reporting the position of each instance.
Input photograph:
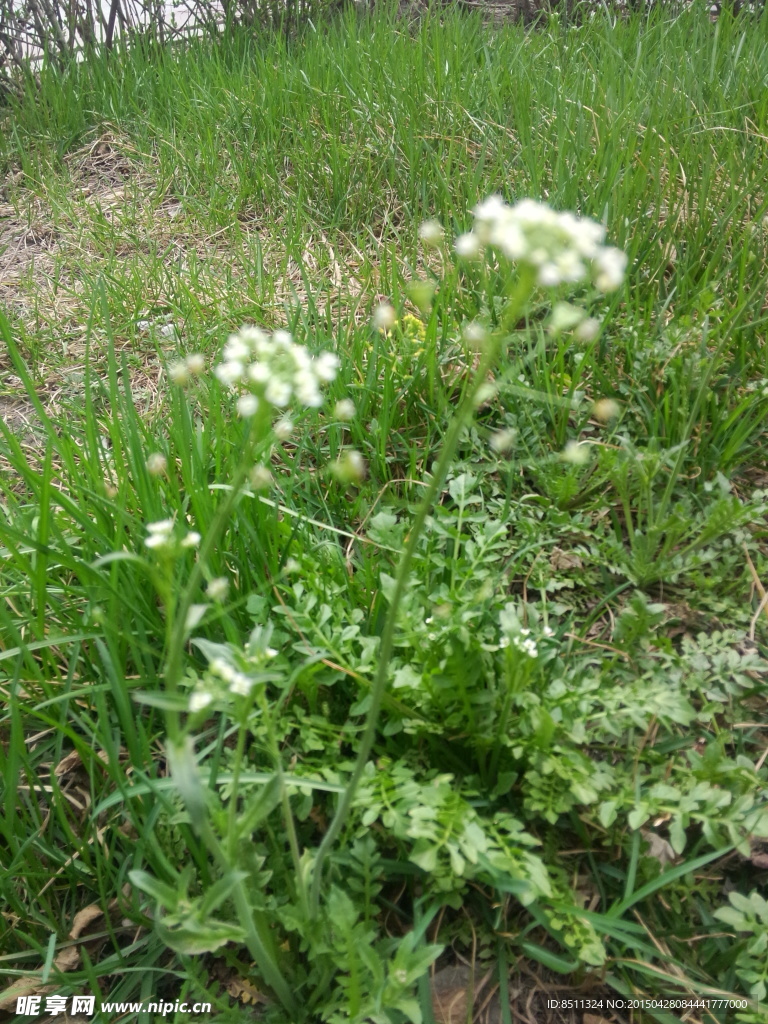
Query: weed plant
(444, 632)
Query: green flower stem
(290, 824)
(253, 923)
(250, 920)
(518, 300)
(242, 731)
(178, 632)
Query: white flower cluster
(522, 641)
(515, 634)
(274, 369)
(161, 536)
(239, 683)
(561, 247)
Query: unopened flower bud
(431, 232)
(157, 464)
(283, 429)
(344, 410)
(575, 453)
(247, 406)
(179, 373)
(217, 588)
(503, 440)
(467, 246)
(606, 409)
(587, 330)
(349, 468)
(195, 363)
(474, 334)
(260, 478)
(384, 317)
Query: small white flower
(326, 366)
(431, 232)
(307, 390)
(230, 373)
(548, 632)
(179, 373)
(278, 392)
(157, 542)
(283, 339)
(217, 588)
(344, 410)
(503, 440)
(157, 464)
(487, 214)
(606, 409)
(198, 700)
(254, 338)
(219, 667)
(610, 264)
(549, 276)
(467, 246)
(527, 647)
(474, 334)
(485, 393)
(192, 539)
(508, 237)
(384, 317)
(349, 468)
(259, 373)
(587, 330)
(260, 478)
(241, 684)
(195, 363)
(291, 566)
(163, 526)
(283, 429)
(575, 453)
(160, 534)
(247, 406)
(236, 349)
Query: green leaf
(259, 804)
(677, 836)
(165, 895)
(199, 937)
(555, 963)
(220, 890)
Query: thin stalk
(237, 763)
(264, 960)
(290, 824)
(267, 964)
(516, 305)
(173, 663)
